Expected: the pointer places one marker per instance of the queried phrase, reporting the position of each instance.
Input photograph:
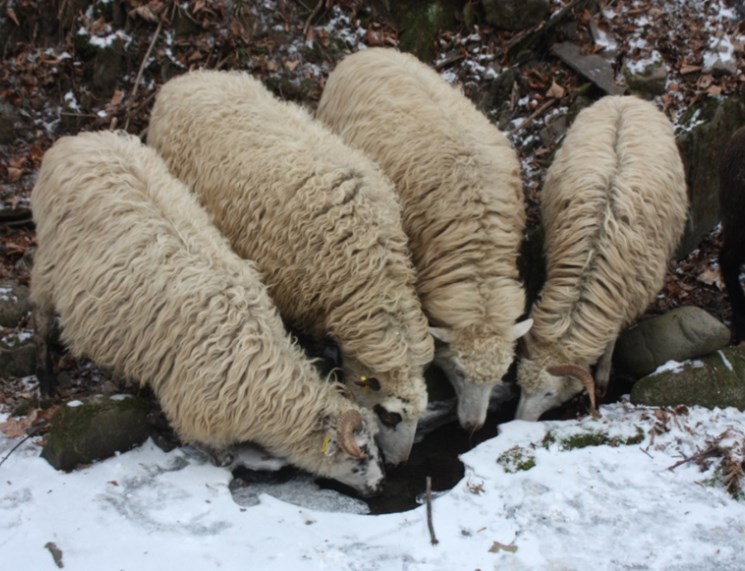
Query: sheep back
(614, 206)
(146, 286)
(457, 178)
(319, 218)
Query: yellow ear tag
(363, 383)
(325, 444)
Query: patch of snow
(17, 337)
(640, 66)
(75, 403)
(120, 397)
(6, 294)
(726, 361)
(568, 511)
(72, 102)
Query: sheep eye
(390, 419)
(369, 383)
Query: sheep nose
(471, 427)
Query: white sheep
(146, 286)
(461, 195)
(614, 206)
(322, 224)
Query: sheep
(461, 194)
(614, 206)
(322, 224)
(147, 287)
(731, 207)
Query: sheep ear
(444, 335)
(521, 328)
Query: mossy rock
(717, 380)
(420, 21)
(96, 430)
(17, 360)
(14, 303)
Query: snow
(598, 507)
(725, 361)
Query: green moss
(548, 440)
(516, 459)
(586, 439)
(717, 481)
(34, 402)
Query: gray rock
(706, 128)
(648, 82)
(683, 333)
(96, 430)
(593, 67)
(17, 360)
(14, 303)
(724, 67)
(10, 119)
(717, 380)
(515, 14)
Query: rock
(14, 303)
(419, 23)
(591, 66)
(706, 128)
(96, 430)
(683, 333)
(648, 81)
(515, 14)
(554, 131)
(717, 380)
(17, 360)
(10, 120)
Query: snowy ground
(598, 507)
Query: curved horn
(582, 375)
(348, 423)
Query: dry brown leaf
(711, 276)
(10, 13)
(291, 65)
(14, 174)
(687, 69)
(116, 99)
(497, 547)
(556, 90)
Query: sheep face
(349, 453)
(541, 391)
(397, 411)
(474, 363)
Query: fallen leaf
(291, 65)
(556, 90)
(116, 99)
(14, 174)
(10, 13)
(497, 547)
(687, 69)
(711, 276)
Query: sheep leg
(43, 319)
(730, 262)
(220, 457)
(602, 371)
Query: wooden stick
(140, 72)
(533, 115)
(431, 527)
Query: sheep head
(543, 387)
(350, 454)
(474, 363)
(397, 398)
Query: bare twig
(140, 72)
(431, 527)
(449, 61)
(710, 451)
(33, 431)
(533, 116)
(312, 17)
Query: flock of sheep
(390, 222)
